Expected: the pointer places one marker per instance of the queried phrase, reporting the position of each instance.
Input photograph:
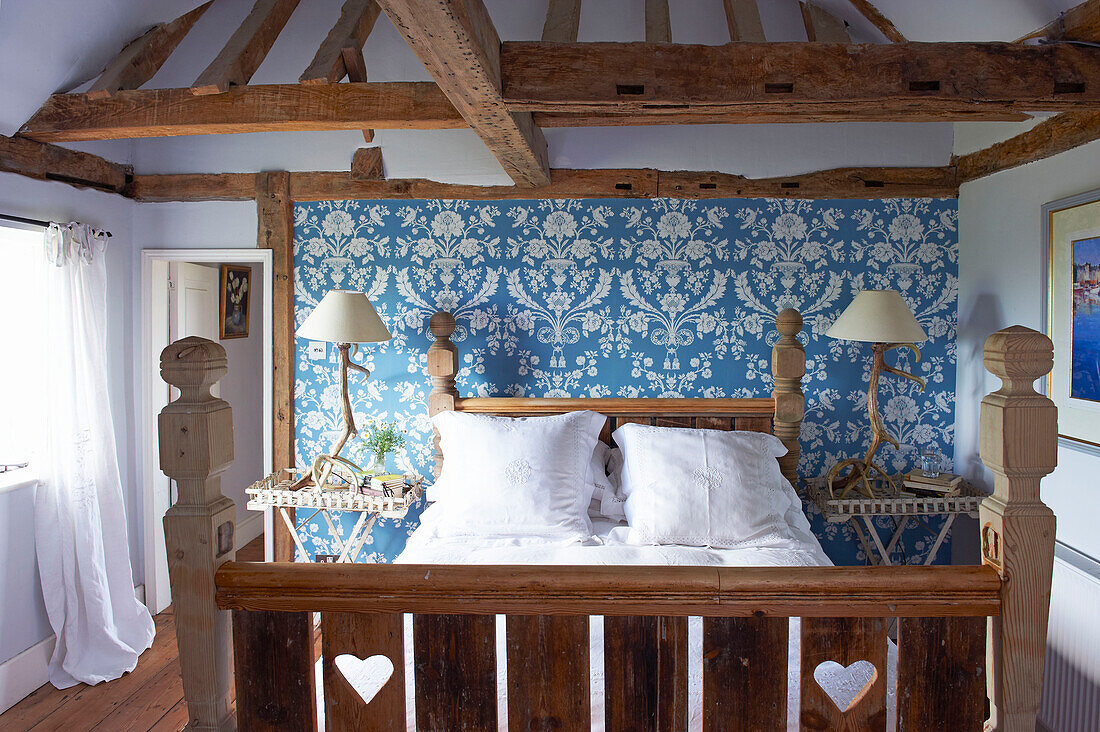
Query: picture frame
(234, 301)
(1072, 238)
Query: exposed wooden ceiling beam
(51, 162)
(880, 21)
(563, 20)
(822, 26)
(193, 187)
(658, 27)
(630, 84)
(246, 48)
(1051, 136)
(668, 115)
(357, 18)
(851, 183)
(1079, 23)
(743, 19)
(263, 108)
(802, 80)
(366, 164)
(143, 57)
(836, 183)
(457, 43)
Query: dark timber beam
(51, 162)
(822, 26)
(866, 183)
(1079, 23)
(743, 20)
(457, 43)
(263, 108)
(805, 81)
(1055, 135)
(366, 164)
(563, 20)
(143, 57)
(246, 48)
(880, 21)
(357, 18)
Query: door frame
(148, 364)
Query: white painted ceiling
(58, 45)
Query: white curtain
(80, 520)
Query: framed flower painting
(236, 286)
(1073, 313)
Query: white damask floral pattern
(630, 298)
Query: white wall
(23, 621)
(243, 388)
(1001, 264)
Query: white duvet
(430, 545)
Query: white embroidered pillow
(521, 476)
(702, 487)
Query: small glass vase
(377, 464)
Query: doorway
(181, 292)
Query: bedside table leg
(899, 529)
(872, 558)
(882, 552)
(939, 539)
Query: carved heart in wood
(845, 685)
(366, 676)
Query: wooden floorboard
(148, 698)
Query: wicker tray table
(904, 508)
(274, 492)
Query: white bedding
(607, 547)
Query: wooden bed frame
(965, 633)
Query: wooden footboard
(746, 611)
(965, 634)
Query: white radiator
(1071, 689)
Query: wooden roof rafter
(457, 43)
(880, 21)
(140, 60)
(246, 48)
(821, 25)
(347, 37)
(563, 19)
(1079, 23)
(743, 19)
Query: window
(22, 324)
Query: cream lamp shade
(878, 316)
(344, 316)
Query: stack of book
(392, 484)
(944, 484)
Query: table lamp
(881, 318)
(346, 318)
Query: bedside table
(276, 492)
(859, 512)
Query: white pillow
(702, 487)
(525, 476)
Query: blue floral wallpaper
(655, 298)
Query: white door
(192, 292)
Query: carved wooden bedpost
(196, 445)
(442, 367)
(1019, 443)
(788, 368)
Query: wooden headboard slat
(534, 406)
